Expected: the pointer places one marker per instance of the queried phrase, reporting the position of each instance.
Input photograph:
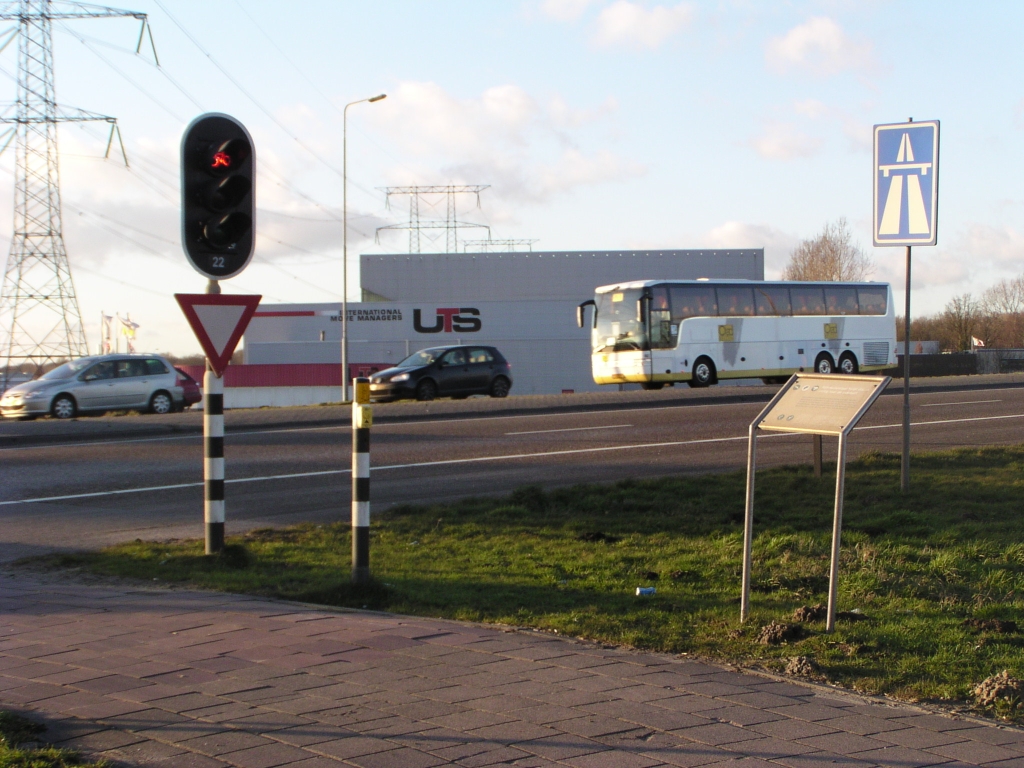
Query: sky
(597, 124)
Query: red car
(189, 387)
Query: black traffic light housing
(218, 195)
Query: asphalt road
(85, 494)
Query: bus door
(663, 334)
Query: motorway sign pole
(905, 459)
(906, 206)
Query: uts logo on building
(449, 319)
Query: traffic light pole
(213, 452)
(218, 220)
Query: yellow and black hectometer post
(362, 419)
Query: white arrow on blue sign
(906, 186)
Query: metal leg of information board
(837, 533)
(816, 448)
(748, 524)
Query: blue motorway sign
(906, 187)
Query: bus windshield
(618, 329)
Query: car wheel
(703, 373)
(426, 390)
(847, 363)
(824, 364)
(500, 387)
(161, 403)
(64, 407)
(652, 384)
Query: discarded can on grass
(645, 591)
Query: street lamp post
(344, 242)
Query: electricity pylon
(40, 321)
(427, 194)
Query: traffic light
(218, 196)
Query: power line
(314, 86)
(105, 60)
(245, 92)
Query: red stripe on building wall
(306, 313)
(286, 375)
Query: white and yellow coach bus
(656, 332)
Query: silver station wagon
(92, 384)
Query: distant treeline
(996, 319)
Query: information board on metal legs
(821, 404)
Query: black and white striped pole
(362, 420)
(213, 460)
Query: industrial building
(523, 303)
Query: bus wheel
(824, 364)
(703, 373)
(652, 384)
(847, 363)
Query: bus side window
(809, 300)
(692, 301)
(735, 300)
(872, 301)
(841, 300)
(773, 300)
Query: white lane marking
(960, 402)
(477, 459)
(568, 429)
(947, 421)
(379, 425)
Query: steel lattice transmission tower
(429, 195)
(40, 321)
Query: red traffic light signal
(218, 205)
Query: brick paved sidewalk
(176, 678)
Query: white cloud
(737, 234)
(857, 131)
(977, 256)
(811, 108)
(636, 26)
(425, 118)
(504, 137)
(564, 116)
(943, 269)
(565, 10)
(576, 169)
(784, 141)
(819, 46)
(998, 247)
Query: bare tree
(832, 255)
(961, 318)
(1005, 302)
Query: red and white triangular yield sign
(218, 320)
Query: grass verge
(932, 583)
(20, 747)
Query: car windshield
(67, 370)
(423, 357)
